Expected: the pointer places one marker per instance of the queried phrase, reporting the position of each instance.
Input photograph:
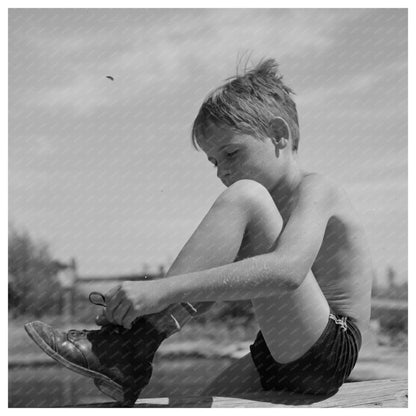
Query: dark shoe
(119, 360)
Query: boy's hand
(129, 300)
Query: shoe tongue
(74, 334)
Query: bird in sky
(110, 77)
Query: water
(54, 386)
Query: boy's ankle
(173, 318)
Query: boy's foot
(119, 360)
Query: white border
(203, 4)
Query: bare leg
(226, 234)
(291, 322)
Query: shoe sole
(103, 383)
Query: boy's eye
(231, 154)
(228, 155)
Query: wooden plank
(377, 393)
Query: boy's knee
(255, 198)
(247, 192)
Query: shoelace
(97, 298)
(78, 332)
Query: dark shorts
(321, 370)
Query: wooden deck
(377, 393)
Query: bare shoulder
(317, 182)
(321, 194)
(319, 189)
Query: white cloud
(159, 49)
(67, 45)
(84, 95)
(26, 182)
(361, 83)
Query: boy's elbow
(294, 282)
(289, 277)
(300, 279)
(288, 282)
(298, 275)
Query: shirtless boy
(286, 239)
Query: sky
(104, 171)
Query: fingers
(101, 319)
(111, 293)
(129, 318)
(124, 319)
(113, 298)
(119, 308)
(120, 313)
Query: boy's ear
(280, 132)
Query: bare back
(343, 267)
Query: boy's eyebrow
(221, 148)
(227, 145)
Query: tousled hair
(247, 103)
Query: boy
(284, 238)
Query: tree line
(32, 285)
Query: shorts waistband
(342, 321)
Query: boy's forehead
(216, 136)
(215, 132)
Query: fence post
(67, 277)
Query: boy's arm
(283, 268)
